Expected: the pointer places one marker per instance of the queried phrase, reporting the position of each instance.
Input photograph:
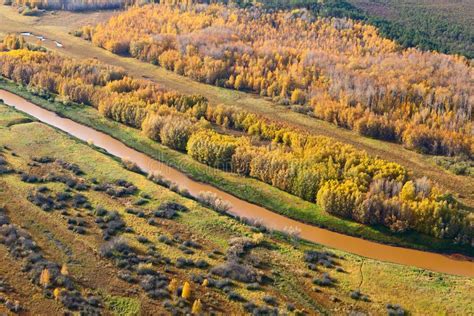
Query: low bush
(202, 264)
(395, 310)
(325, 280)
(357, 295)
(211, 200)
(182, 263)
(270, 300)
(74, 168)
(115, 246)
(29, 178)
(323, 258)
(131, 166)
(234, 296)
(169, 210)
(164, 239)
(235, 271)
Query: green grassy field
(57, 27)
(382, 282)
(245, 188)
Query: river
(458, 265)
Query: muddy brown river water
(458, 265)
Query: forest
(338, 70)
(439, 25)
(425, 26)
(343, 181)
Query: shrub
(116, 245)
(253, 287)
(324, 258)
(182, 263)
(202, 264)
(357, 295)
(325, 280)
(290, 307)
(395, 310)
(13, 306)
(29, 178)
(131, 166)
(235, 271)
(169, 210)
(75, 169)
(164, 239)
(31, 12)
(270, 300)
(191, 244)
(211, 200)
(143, 239)
(234, 296)
(239, 247)
(250, 307)
(140, 202)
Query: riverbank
(382, 282)
(247, 189)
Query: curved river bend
(421, 259)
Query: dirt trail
(57, 28)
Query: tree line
(73, 5)
(344, 181)
(339, 70)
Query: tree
(64, 270)
(56, 293)
(308, 60)
(197, 307)
(175, 133)
(298, 96)
(408, 192)
(152, 126)
(212, 149)
(339, 198)
(238, 84)
(45, 278)
(173, 285)
(186, 292)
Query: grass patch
(123, 306)
(457, 165)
